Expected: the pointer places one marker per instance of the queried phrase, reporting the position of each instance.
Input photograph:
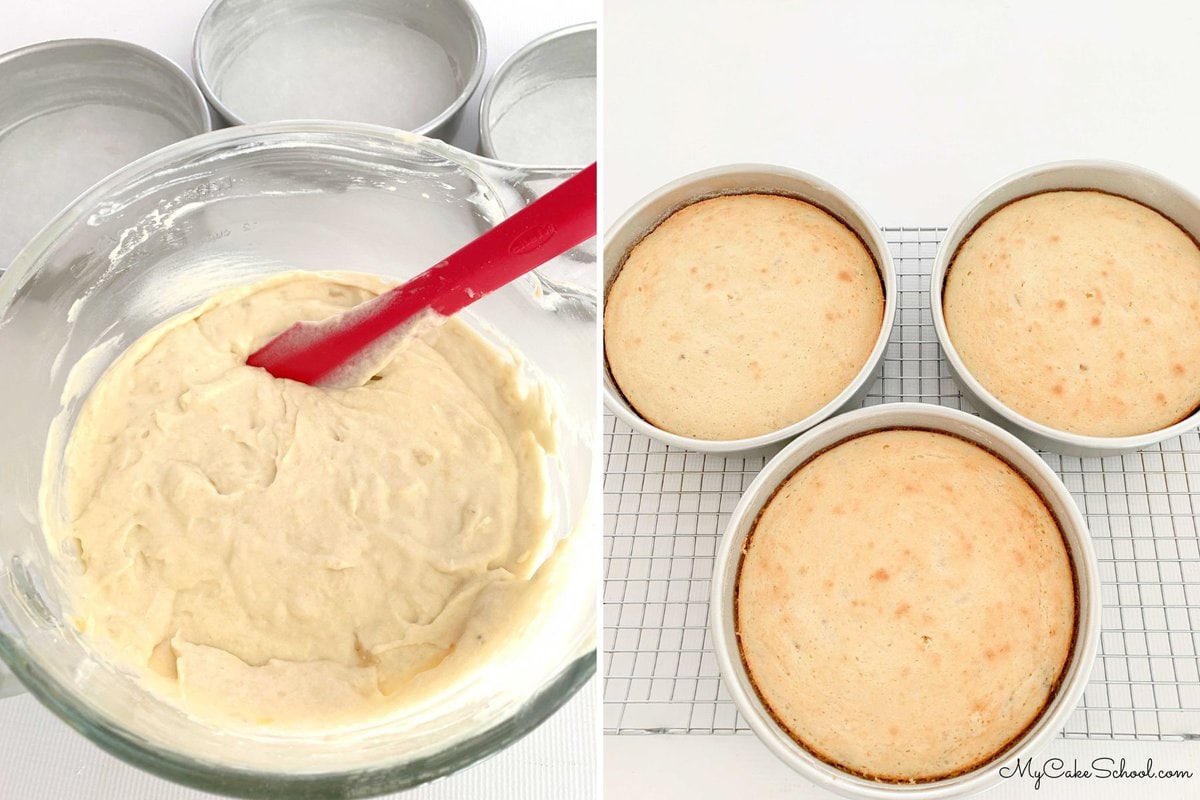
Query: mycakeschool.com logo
(1103, 767)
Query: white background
(40, 757)
(911, 108)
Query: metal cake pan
(1126, 180)
(1039, 475)
(540, 106)
(73, 111)
(406, 64)
(741, 179)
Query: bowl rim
(501, 74)
(760, 491)
(864, 226)
(256, 783)
(203, 29)
(161, 158)
(984, 204)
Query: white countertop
(40, 757)
(912, 109)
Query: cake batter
(278, 554)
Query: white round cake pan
(745, 179)
(72, 112)
(1126, 180)
(1019, 456)
(406, 64)
(539, 109)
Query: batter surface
(280, 554)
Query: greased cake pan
(540, 106)
(406, 64)
(74, 110)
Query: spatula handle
(550, 226)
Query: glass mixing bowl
(155, 239)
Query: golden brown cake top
(1080, 310)
(740, 315)
(905, 605)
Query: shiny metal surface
(74, 110)
(355, 60)
(564, 54)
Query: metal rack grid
(665, 510)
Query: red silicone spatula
(312, 352)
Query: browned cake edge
(884, 778)
(699, 199)
(986, 217)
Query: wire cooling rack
(665, 509)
